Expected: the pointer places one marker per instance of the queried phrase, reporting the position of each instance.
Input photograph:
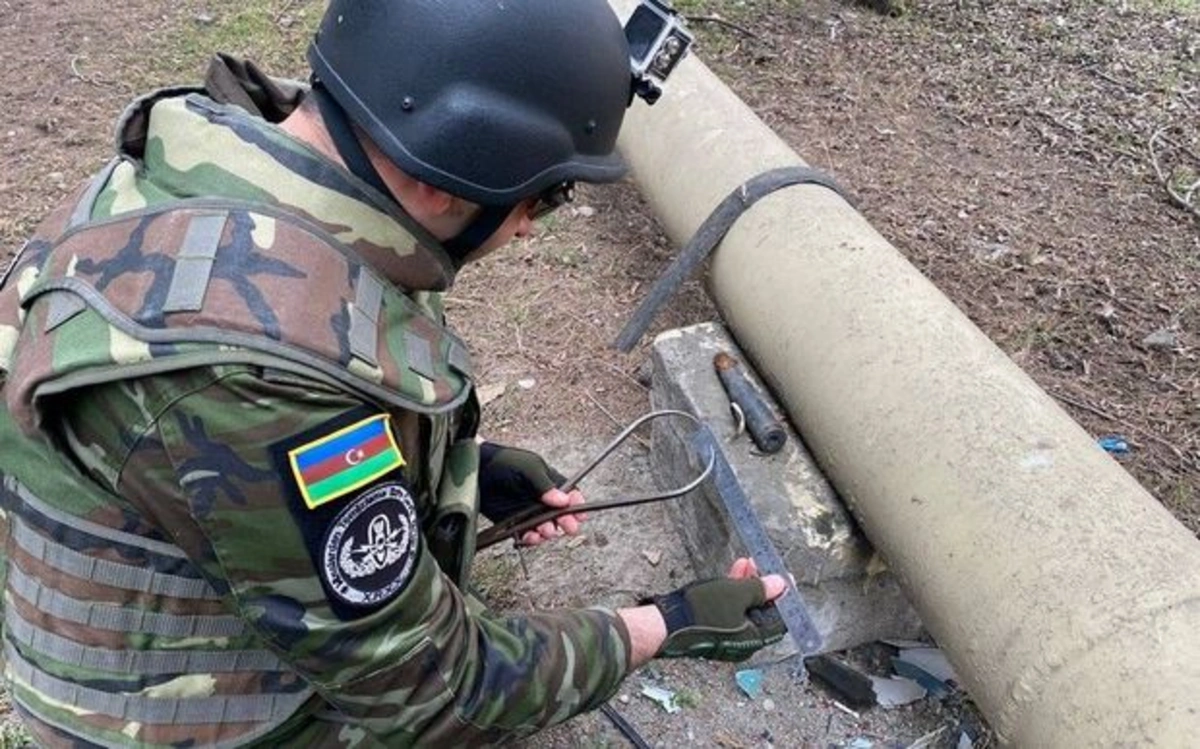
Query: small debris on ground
(852, 713)
(931, 660)
(935, 686)
(896, 691)
(750, 682)
(526, 384)
(653, 557)
(928, 740)
(728, 742)
(1114, 443)
(664, 697)
(989, 251)
(852, 687)
(489, 393)
(915, 673)
(1163, 339)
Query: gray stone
(1164, 338)
(849, 593)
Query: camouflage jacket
(227, 537)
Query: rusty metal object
(764, 426)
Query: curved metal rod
(624, 435)
(537, 514)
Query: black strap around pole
(709, 235)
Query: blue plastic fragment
(1115, 444)
(750, 682)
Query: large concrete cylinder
(1066, 596)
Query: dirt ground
(1020, 155)
(1033, 158)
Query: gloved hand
(511, 479)
(722, 619)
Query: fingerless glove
(511, 479)
(722, 619)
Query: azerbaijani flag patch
(341, 462)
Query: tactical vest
(110, 633)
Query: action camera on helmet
(657, 40)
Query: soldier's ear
(434, 201)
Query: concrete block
(852, 597)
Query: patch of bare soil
(60, 91)
(1039, 161)
(70, 68)
(544, 312)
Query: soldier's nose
(525, 228)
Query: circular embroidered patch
(371, 547)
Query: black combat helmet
(493, 101)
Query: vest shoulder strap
(202, 282)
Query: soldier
(239, 474)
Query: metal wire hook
(537, 514)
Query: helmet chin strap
(479, 231)
(341, 132)
(348, 146)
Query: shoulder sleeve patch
(371, 548)
(364, 547)
(344, 460)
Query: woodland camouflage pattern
(149, 436)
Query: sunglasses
(551, 199)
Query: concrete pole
(1066, 596)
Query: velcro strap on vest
(82, 212)
(121, 663)
(63, 306)
(150, 662)
(105, 572)
(118, 618)
(194, 264)
(15, 490)
(251, 708)
(364, 316)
